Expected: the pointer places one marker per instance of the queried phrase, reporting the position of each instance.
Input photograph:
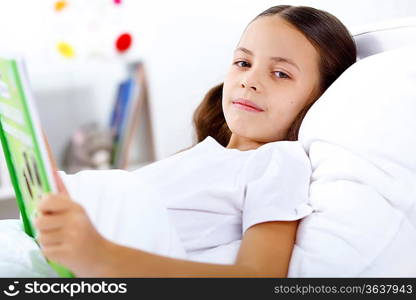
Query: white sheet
(19, 253)
(123, 210)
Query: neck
(242, 143)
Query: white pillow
(360, 138)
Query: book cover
(24, 147)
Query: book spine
(126, 99)
(119, 119)
(136, 109)
(125, 136)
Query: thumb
(49, 151)
(59, 183)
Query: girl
(255, 181)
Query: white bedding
(140, 222)
(19, 254)
(360, 139)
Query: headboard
(388, 35)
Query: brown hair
(337, 51)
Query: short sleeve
(276, 182)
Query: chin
(246, 133)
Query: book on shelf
(119, 116)
(130, 102)
(30, 167)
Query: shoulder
(277, 157)
(287, 149)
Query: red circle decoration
(123, 42)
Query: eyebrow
(276, 59)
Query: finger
(48, 222)
(54, 252)
(49, 150)
(50, 238)
(59, 183)
(54, 203)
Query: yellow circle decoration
(66, 50)
(60, 5)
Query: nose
(249, 80)
(253, 87)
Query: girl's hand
(67, 236)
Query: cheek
(231, 85)
(224, 100)
(231, 78)
(285, 108)
(226, 91)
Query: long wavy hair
(337, 51)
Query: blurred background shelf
(6, 193)
(138, 165)
(8, 205)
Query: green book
(25, 150)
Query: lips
(247, 105)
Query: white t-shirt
(214, 194)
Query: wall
(186, 45)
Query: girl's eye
(242, 64)
(281, 74)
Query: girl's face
(273, 76)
